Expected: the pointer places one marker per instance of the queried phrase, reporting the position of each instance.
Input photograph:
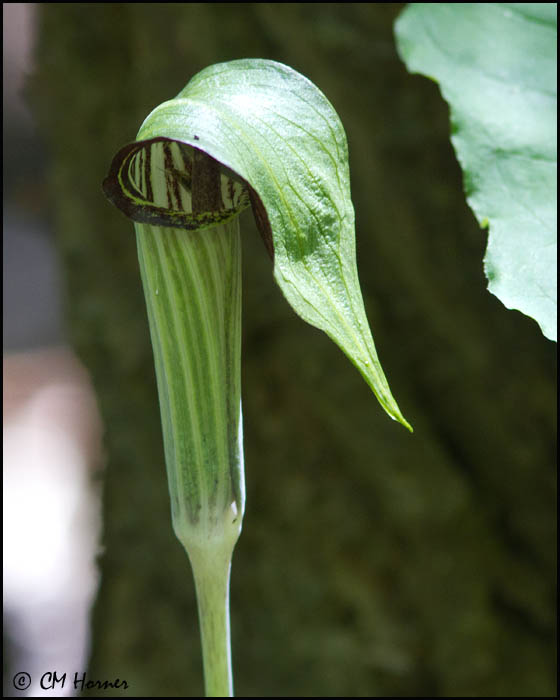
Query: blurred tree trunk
(372, 562)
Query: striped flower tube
(185, 209)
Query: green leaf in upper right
(497, 68)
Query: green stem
(192, 284)
(211, 571)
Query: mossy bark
(372, 562)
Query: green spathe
(278, 132)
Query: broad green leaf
(496, 67)
(273, 132)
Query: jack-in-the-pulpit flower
(245, 133)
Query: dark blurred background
(51, 426)
(372, 562)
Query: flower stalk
(192, 286)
